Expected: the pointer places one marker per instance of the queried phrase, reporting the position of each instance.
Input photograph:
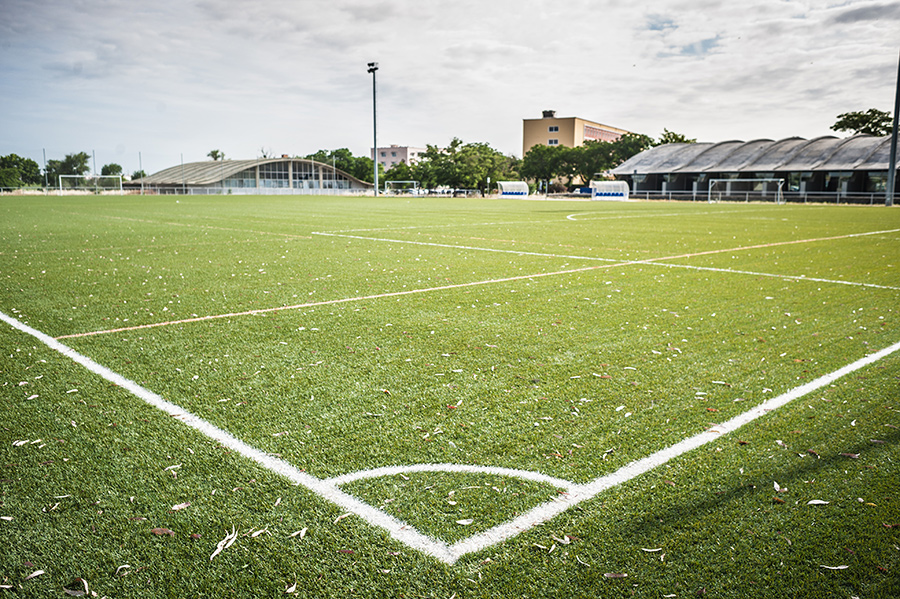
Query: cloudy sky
(181, 77)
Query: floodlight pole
(892, 163)
(373, 66)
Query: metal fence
(178, 190)
(791, 197)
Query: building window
(553, 142)
(554, 129)
(394, 154)
(383, 154)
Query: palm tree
(216, 155)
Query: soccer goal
(90, 184)
(735, 190)
(397, 188)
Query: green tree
(360, 167)
(138, 174)
(27, 170)
(628, 145)
(111, 169)
(9, 178)
(463, 166)
(592, 158)
(72, 164)
(543, 163)
(870, 122)
(400, 172)
(670, 137)
(53, 171)
(216, 155)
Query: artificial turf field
(512, 361)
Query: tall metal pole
(373, 66)
(892, 164)
(141, 166)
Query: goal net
(401, 187)
(90, 183)
(746, 190)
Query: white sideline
(403, 532)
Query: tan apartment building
(395, 154)
(564, 131)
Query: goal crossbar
(401, 186)
(714, 187)
(94, 183)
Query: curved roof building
(266, 175)
(857, 164)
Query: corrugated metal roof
(860, 152)
(711, 156)
(745, 154)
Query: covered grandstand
(852, 169)
(261, 176)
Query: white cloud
(168, 77)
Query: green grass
(500, 358)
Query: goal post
(90, 184)
(763, 190)
(401, 187)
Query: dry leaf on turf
(225, 543)
(77, 592)
(816, 502)
(180, 506)
(835, 567)
(163, 531)
(34, 574)
(465, 522)
(615, 575)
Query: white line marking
(647, 260)
(778, 276)
(592, 215)
(468, 469)
(339, 301)
(547, 511)
(610, 264)
(397, 529)
(467, 247)
(400, 531)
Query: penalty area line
(342, 300)
(610, 263)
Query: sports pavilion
(852, 169)
(283, 175)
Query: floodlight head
(373, 66)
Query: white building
(394, 155)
